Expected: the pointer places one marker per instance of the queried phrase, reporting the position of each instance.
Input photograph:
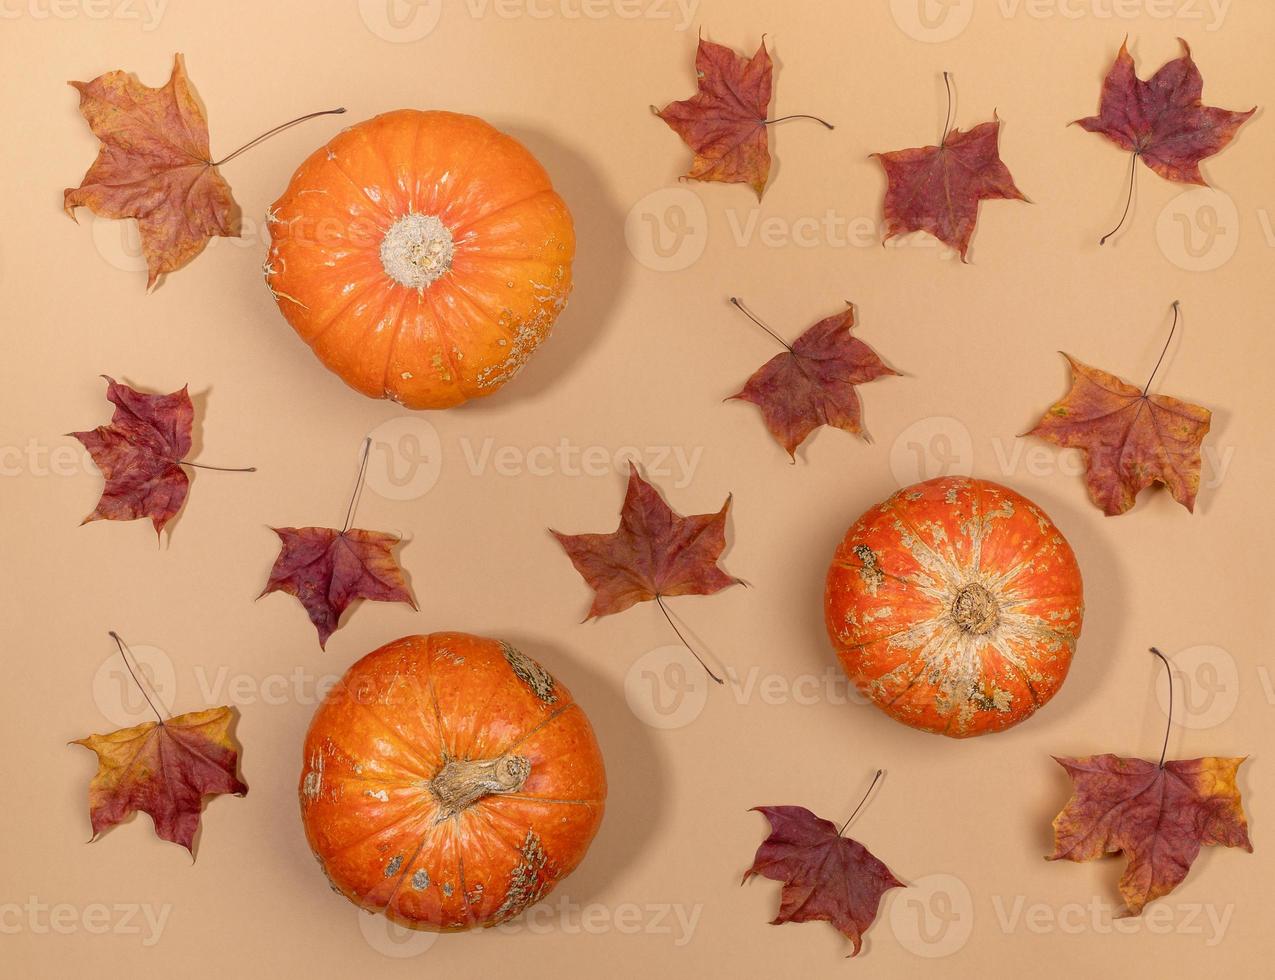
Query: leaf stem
(947, 118)
(866, 794)
(738, 304)
(271, 132)
(358, 485)
(1128, 201)
(133, 674)
(659, 601)
(220, 469)
(1163, 351)
(798, 115)
(1168, 668)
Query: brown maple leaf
(154, 165)
(1158, 816)
(725, 122)
(164, 769)
(655, 552)
(1129, 438)
(813, 383)
(1162, 120)
(826, 876)
(937, 189)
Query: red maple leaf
(326, 570)
(1158, 816)
(826, 876)
(154, 165)
(140, 455)
(165, 769)
(1162, 120)
(937, 189)
(813, 382)
(654, 553)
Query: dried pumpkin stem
(1168, 725)
(124, 654)
(866, 794)
(463, 782)
(271, 132)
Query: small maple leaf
(1158, 816)
(813, 382)
(326, 570)
(826, 876)
(165, 769)
(937, 189)
(1130, 439)
(154, 165)
(1162, 120)
(654, 553)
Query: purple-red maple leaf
(937, 189)
(826, 876)
(326, 570)
(655, 552)
(813, 382)
(140, 455)
(1162, 120)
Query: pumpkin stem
(975, 609)
(463, 782)
(271, 132)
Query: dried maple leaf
(1130, 439)
(937, 189)
(813, 383)
(327, 569)
(725, 122)
(826, 876)
(1162, 120)
(154, 165)
(165, 769)
(1158, 816)
(141, 455)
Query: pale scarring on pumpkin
(539, 680)
(528, 881)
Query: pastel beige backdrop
(642, 358)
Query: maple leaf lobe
(937, 189)
(813, 383)
(1157, 816)
(164, 770)
(1129, 439)
(139, 453)
(153, 165)
(724, 123)
(825, 876)
(655, 552)
(326, 570)
(1163, 119)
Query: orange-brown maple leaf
(826, 876)
(1163, 120)
(140, 453)
(164, 769)
(654, 553)
(1158, 816)
(937, 189)
(154, 165)
(326, 570)
(813, 382)
(1130, 439)
(724, 123)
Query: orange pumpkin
(450, 782)
(423, 256)
(955, 606)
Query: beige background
(642, 358)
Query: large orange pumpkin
(450, 782)
(955, 606)
(422, 255)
